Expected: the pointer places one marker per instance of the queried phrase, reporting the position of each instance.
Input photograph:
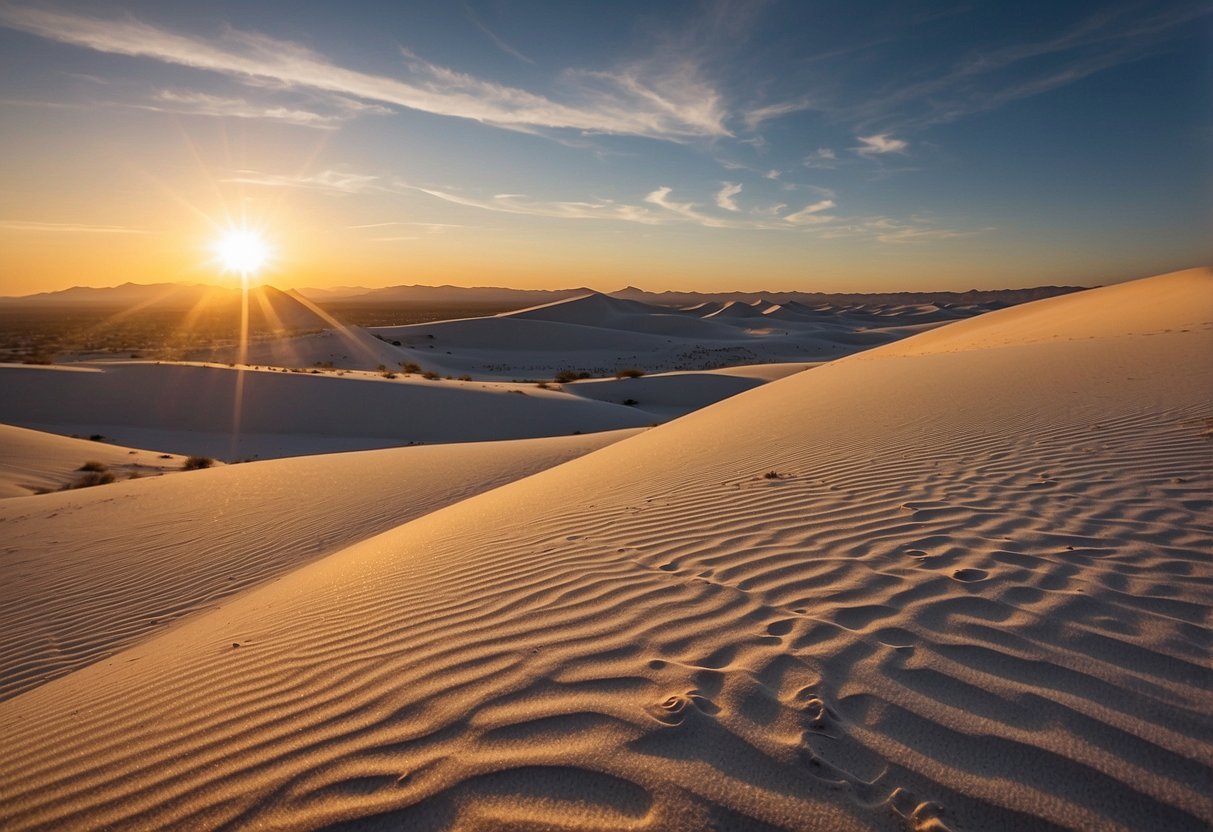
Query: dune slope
(33, 462)
(89, 572)
(972, 594)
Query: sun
(243, 251)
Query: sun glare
(242, 251)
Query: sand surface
(90, 571)
(33, 462)
(972, 593)
(285, 414)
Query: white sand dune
(600, 334)
(973, 594)
(90, 572)
(192, 409)
(33, 462)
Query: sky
(790, 146)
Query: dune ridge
(965, 588)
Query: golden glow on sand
(243, 251)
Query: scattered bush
(90, 479)
(96, 437)
(166, 456)
(382, 368)
(631, 402)
(410, 367)
(431, 375)
(397, 344)
(543, 385)
(194, 463)
(465, 377)
(631, 372)
(570, 375)
(93, 465)
(387, 374)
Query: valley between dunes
(960, 581)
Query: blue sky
(785, 145)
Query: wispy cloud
(879, 144)
(475, 20)
(675, 103)
(811, 214)
(724, 197)
(334, 181)
(570, 210)
(68, 228)
(822, 157)
(896, 231)
(196, 103)
(428, 227)
(753, 118)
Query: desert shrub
(631, 372)
(465, 377)
(397, 344)
(90, 479)
(386, 374)
(166, 456)
(410, 367)
(631, 402)
(571, 375)
(543, 385)
(96, 437)
(431, 375)
(93, 465)
(193, 463)
(773, 475)
(382, 368)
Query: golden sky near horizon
(656, 148)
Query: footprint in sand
(970, 575)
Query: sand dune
(192, 409)
(600, 334)
(293, 414)
(34, 462)
(89, 572)
(973, 593)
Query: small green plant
(194, 463)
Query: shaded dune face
(974, 595)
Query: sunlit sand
(932, 574)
